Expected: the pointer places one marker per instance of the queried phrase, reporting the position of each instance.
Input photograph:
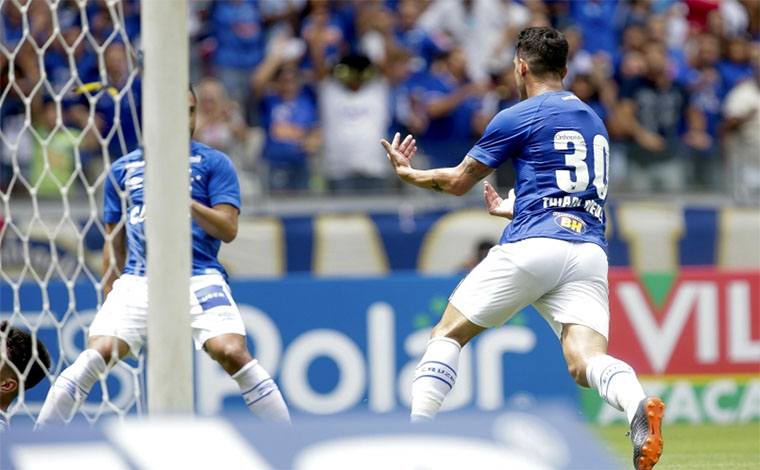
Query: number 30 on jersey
(577, 160)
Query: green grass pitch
(694, 447)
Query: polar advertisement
(340, 345)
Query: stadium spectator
(706, 90)
(53, 163)
(281, 16)
(354, 109)
(236, 27)
(579, 60)
(23, 364)
(57, 63)
(413, 38)
(741, 113)
(453, 104)
(596, 18)
(324, 35)
(653, 109)
(736, 64)
(220, 124)
(289, 117)
(120, 96)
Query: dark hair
(192, 91)
(545, 50)
(19, 351)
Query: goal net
(69, 106)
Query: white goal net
(69, 106)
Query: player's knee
(232, 356)
(107, 347)
(578, 373)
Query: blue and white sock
(261, 394)
(434, 377)
(71, 388)
(616, 383)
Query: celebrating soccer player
(22, 365)
(552, 254)
(119, 329)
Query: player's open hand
(498, 206)
(400, 153)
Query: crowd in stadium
(299, 92)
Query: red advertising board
(708, 321)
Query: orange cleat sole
(652, 448)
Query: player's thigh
(505, 282)
(582, 295)
(213, 312)
(124, 316)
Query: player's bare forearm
(220, 221)
(114, 256)
(457, 180)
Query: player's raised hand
(400, 153)
(496, 205)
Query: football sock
(434, 377)
(616, 382)
(71, 388)
(261, 394)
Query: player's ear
(523, 66)
(564, 72)
(8, 385)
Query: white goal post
(68, 109)
(167, 199)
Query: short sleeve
(223, 185)
(111, 199)
(504, 136)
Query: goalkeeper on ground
(22, 366)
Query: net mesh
(69, 106)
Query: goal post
(167, 199)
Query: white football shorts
(565, 281)
(124, 313)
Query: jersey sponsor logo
(211, 296)
(571, 223)
(195, 158)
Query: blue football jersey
(560, 149)
(213, 181)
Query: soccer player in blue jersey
(552, 254)
(119, 328)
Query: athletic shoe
(646, 434)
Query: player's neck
(539, 87)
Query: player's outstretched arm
(457, 180)
(498, 206)
(220, 221)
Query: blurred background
(339, 270)
(298, 92)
